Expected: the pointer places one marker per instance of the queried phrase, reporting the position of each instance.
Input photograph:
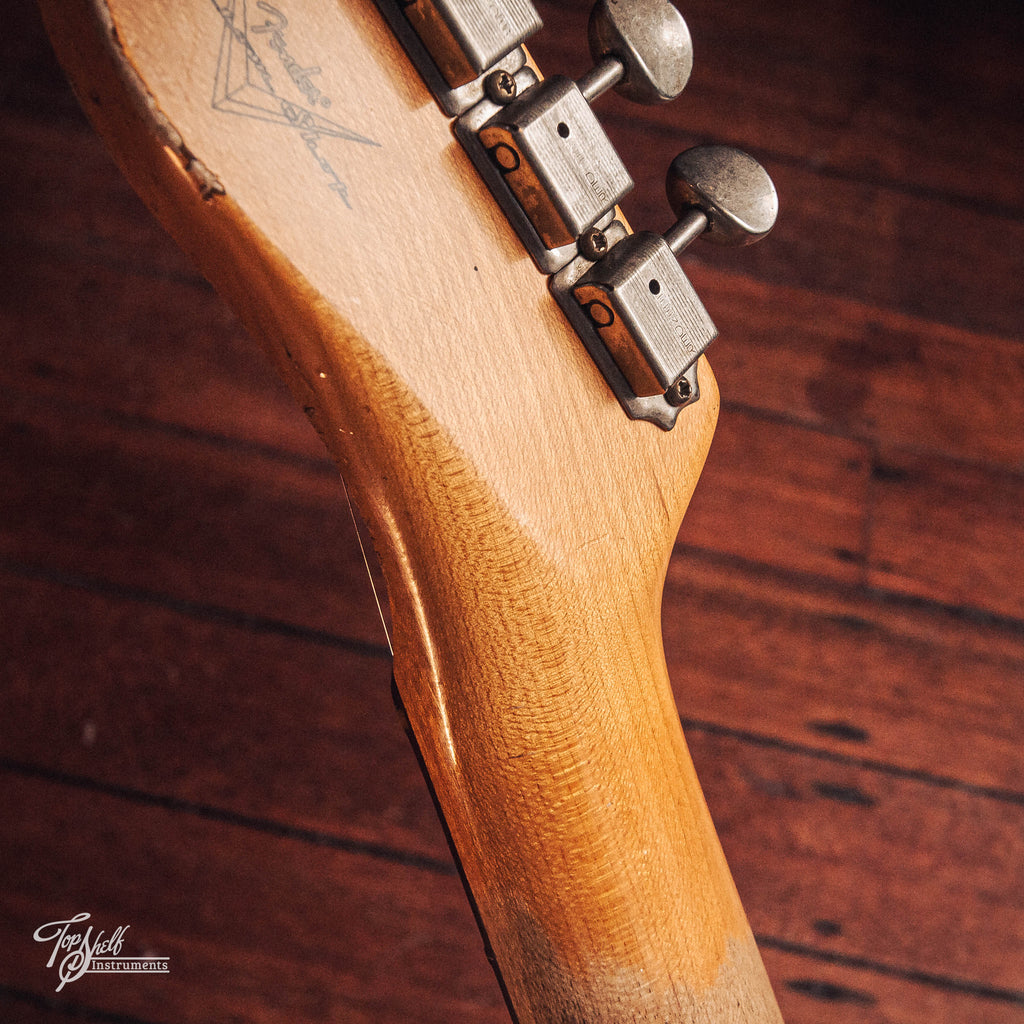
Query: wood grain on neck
(523, 523)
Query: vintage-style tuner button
(547, 142)
(642, 49)
(638, 299)
(466, 37)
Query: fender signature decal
(254, 85)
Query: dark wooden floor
(197, 739)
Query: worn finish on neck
(523, 523)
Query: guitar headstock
(522, 519)
(421, 314)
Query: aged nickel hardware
(456, 44)
(642, 49)
(637, 302)
(556, 159)
(550, 165)
(466, 37)
(547, 143)
(495, 163)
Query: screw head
(731, 188)
(593, 244)
(651, 40)
(500, 87)
(680, 393)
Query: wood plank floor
(197, 738)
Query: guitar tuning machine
(539, 147)
(542, 142)
(538, 144)
(462, 40)
(635, 309)
(456, 44)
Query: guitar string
(366, 564)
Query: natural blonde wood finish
(523, 523)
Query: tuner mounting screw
(679, 393)
(593, 244)
(500, 87)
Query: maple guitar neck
(523, 523)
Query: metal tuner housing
(548, 145)
(637, 302)
(466, 37)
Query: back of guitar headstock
(523, 522)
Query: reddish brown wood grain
(907, 95)
(839, 826)
(188, 517)
(256, 926)
(858, 994)
(796, 498)
(950, 532)
(842, 617)
(868, 372)
(819, 666)
(197, 730)
(140, 344)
